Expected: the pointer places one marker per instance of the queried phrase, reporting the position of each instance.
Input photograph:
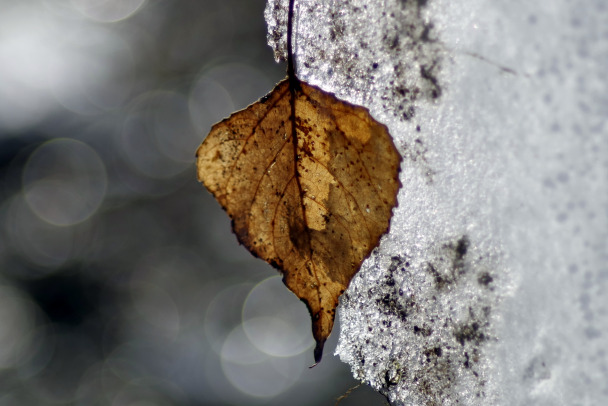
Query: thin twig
(347, 393)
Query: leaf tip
(318, 353)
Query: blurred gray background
(120, 280)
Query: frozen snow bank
(490, 287)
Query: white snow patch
(490, 287)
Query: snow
(490, 287)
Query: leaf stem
(291, 74)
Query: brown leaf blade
(314, 206)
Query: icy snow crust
(490, 287)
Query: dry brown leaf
(313, 202)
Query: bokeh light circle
(253, 372)
(209, 102)
(170, 119)
(17, 327)
(243, 82)
(108, 10)
(158, 139)
(64, 181)
(276, 322)
(224, 313)
(157, 307)
(36, 240)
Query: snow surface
(490, 287)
